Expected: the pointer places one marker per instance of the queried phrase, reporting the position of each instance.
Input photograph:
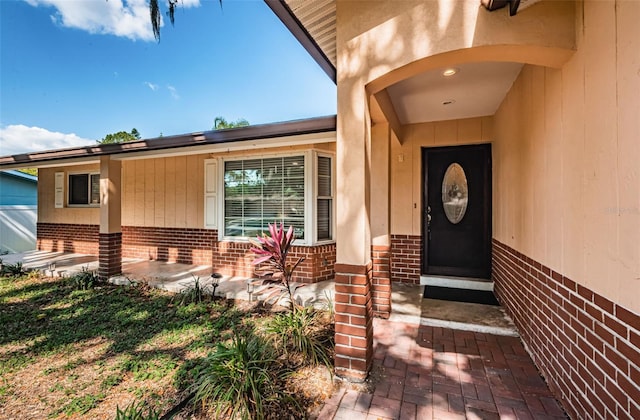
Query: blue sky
(72, 71)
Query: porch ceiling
(476, 90)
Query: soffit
(319, 19)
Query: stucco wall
(380, 43)
(567, 158)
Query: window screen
(262, 191)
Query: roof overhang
(21, 175)
(313, 24)
(308, 131)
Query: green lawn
(67, 352)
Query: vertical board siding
(163, 192)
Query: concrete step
(457, 282)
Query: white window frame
(310, 194)
(314, 200)
(68, 180)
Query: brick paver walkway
(440, 373)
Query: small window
(455, 193)
(84, 189)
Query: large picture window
(84, 189)
(294, 190)
(260, 191)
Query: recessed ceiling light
(449, 102)
(450, 72)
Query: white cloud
(174, 92)
(15, 139)
(125, 18)
(151, 86)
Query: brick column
(110, 241)
(381, 280)
(354, 321)
(110, 255)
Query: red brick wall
(234, 259)
(354, 321)
(188, 246)
(587, 347)
(381, 280)
(57, 237)
(406, 255)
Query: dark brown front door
(457, 211)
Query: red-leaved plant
(273, 249)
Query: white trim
(58, 193)
(310, 194)
(331, 156)
(245, 145)
(211, 193)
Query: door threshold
(468, 283)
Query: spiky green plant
(300, 332)
(273, 250)
(196, 292)
(13, 270)
(137, 411)
(239, 380)
(84, 280)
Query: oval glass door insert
(455, 194)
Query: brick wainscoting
(587, 347)
(201, 246)
(406, 254)
(188, 246)
(354, 321)
(381, 280)
(58, 237)
(234, 259)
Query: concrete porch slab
(173, 277)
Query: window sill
(230, 239)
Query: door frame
(488, 205)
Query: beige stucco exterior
(566, 178)
(567, 158)
(381, 43)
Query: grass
(82, 344)
(70, 351)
